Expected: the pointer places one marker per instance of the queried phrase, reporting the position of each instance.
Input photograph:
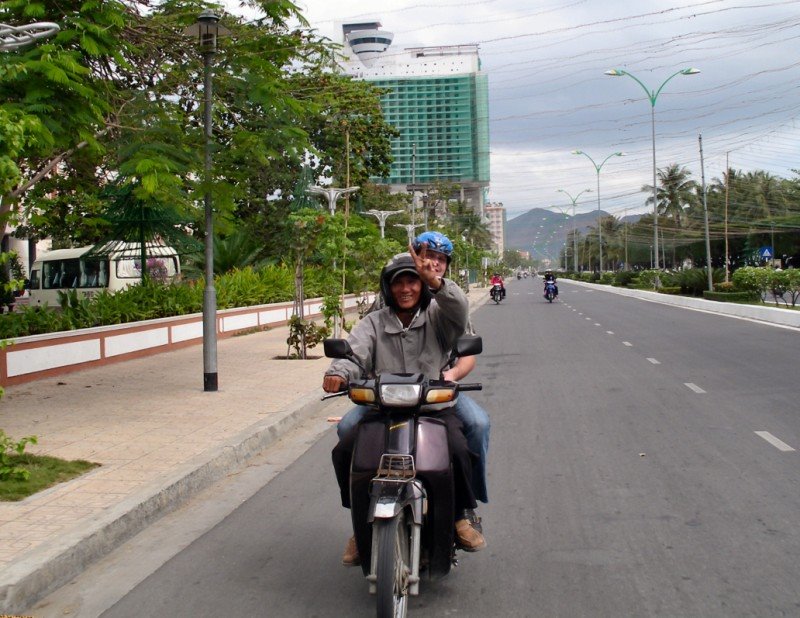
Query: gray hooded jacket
(382, 345)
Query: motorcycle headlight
(360, 394)
(401, 395)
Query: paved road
(639, 466)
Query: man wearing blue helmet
(474, 417)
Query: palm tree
(676, 193)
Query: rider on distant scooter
(498, 280)
(549, 276)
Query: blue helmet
(436, 241)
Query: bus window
(33, 282)
(90, 273)
(161, 268)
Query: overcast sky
(548, 95)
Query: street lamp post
(382, 215)
(652, 95)
(14, 37)
(333, 194)
(599, 222)
(208, 30)
(574, 225)
(409, 228)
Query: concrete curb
(49, 567)
(771, 315)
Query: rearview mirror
(337, 348)
(468, 345)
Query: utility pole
(705, 214)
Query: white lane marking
(654, 361)
(579, 313)
(596, 324)
(627, 343)
(778, 444)
(610, 332)
(694, 387)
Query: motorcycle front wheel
(394, 568)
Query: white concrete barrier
(25, 359)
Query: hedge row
(151, 300)
(731, 297)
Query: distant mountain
(543, 232)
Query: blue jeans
(476, 431)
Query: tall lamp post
(382, 215)
(653, 96)
(574, 225)
(207, 30)
(599, 222)
(333, 194)
(409, 228)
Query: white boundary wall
(30, 358)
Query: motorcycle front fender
(388, 498)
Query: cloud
(549, 96)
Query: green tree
(676, 192)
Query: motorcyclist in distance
(549, 276)
(497, 279)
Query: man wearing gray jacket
(410, 335)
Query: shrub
(607, 278)
(625, 278)
(150, 300)
(731, 297)
(751, 279)
(671, 289)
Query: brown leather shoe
(350, 556)
(468, 538)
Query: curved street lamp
(13, 37)
(599, 222)
(652, 95)
(382, 215)
(574, 225)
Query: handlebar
(477, 386)
(331, 395)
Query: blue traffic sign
(765, 252)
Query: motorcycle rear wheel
(394, 566)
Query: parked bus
(72, 269)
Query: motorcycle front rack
(396, 468)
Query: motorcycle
(550, 290)
(402, 514)
(496, 293)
